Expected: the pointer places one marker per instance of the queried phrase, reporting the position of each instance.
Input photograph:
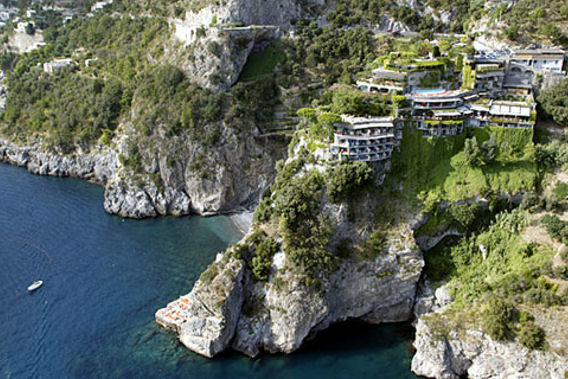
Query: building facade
(541, 59)
(440, 100)
(367, 139)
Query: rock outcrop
(218, 54)
(96, 166)
(444, 350)
(211, 310)
(472, 353)
(221, 36)
(278, 315)
(164, 189)
(377, 291)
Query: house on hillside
(541, 59)
(57, 65)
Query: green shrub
(466, 215)
(489, 149)
(347, 100)
(561, 272)
(524, 317)
(496, 318)
(561, 191)
(564, 254)
(374, 245)
(262, 259)
(531, 200)
(348, 180)
(557, 228)
(263, 211)
(542, 296)
(308, 247)
(531, 336)
(210, 273)
(552, 101)
(472, 151)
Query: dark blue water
(104, 277)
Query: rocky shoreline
(96, 167)
(124, 195)
(444, 351)
(228, 308)
(215, 315)
(475, 355)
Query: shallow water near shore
(104, 277)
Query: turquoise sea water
(104, 277)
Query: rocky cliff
(278, 315)
(97, 166)
(168, 184)
(376, 291)
(221, 36)
(277, 310)
(150, 169)
(455, 354)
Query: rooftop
(539, 53)
(354, 122)
(510, 108)
(446, 112)
(382, 73)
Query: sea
(105, 277)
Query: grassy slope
(435, 168)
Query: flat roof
(489, 74)
(539, 53)
(510, 109)
(375, 137)
(515, 85)
(354, 122)
(388, 74)
(465, 110)
(479, 107)
(436, 99)
(447, 112)
(439, 95)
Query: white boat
(35, 285)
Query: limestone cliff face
(444, 350)
(278, 315)
(96, 166)
(170, 182)
(476, 355)
(217, 56)
(377, 291)
(218, 47)
(181, 176)
(214, 306)
(247, 12)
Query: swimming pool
(429, 90)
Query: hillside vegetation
(436, 169)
